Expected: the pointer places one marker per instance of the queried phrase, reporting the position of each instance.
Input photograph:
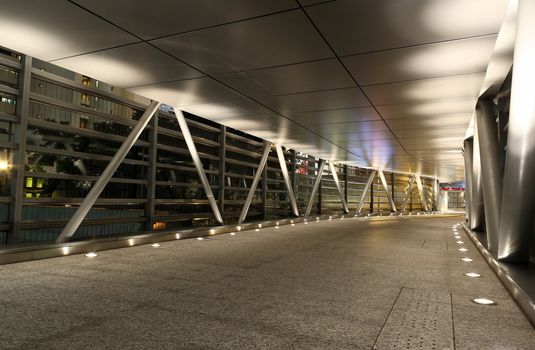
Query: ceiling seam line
(422, 79)
(418, 45)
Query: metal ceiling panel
(344, 128)
(432, 132)
(242, 108)
(369, 25)
(187, 92)
(460, 86)
(421, 62)
(316, 101)
(129, 66)
(55, 29)
(430, 122)
(428, 108)
(360, 136)
(159, 18)
(296, 78)
(336, 116)
(274, 40)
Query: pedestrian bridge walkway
(382, 283)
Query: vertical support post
(490, 171)
(408, 194)
(256, 179)
(468, 146)
(518, 201)
(385, 186)
(337, 183)
(478, 210)
(346, 183)
(19, 159)
(198, 164)
(264, 191)
(107, 174)
(317, 183)
(372, 196)
(289, 188)
(293, 170)
(222, 167)
(435, 193)
(153, 161)
(365, 191)
(421, 191)
(393, 186)
(320, 201)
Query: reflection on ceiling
(388, 84)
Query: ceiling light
(472, 274)
(483, 301)
(91, 255)
(467, 259)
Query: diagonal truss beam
(315, 188)
(107, 174)
(287, 183)
(388, 194)
(256, 179)
(365, 191)
(408, 193)
(421, 192)
(198, 164)
(337, 183)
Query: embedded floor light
(259, 225)
(459, 242)
(200, 238)
(91, 255)
(233, 233)
(212, 232)
(256, 230)
(155, 245)
(317, 219)
(4, 165)
(472, 274)
(484, 301)
(467, 259)
(130, 242)
(65, 250)
(463, 249)
(277, 227)
(342, 218)
(292, 223)
(238, 228)
(457, 237)
(177, 236)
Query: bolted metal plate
(419, 320)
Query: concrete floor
(347, 284)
